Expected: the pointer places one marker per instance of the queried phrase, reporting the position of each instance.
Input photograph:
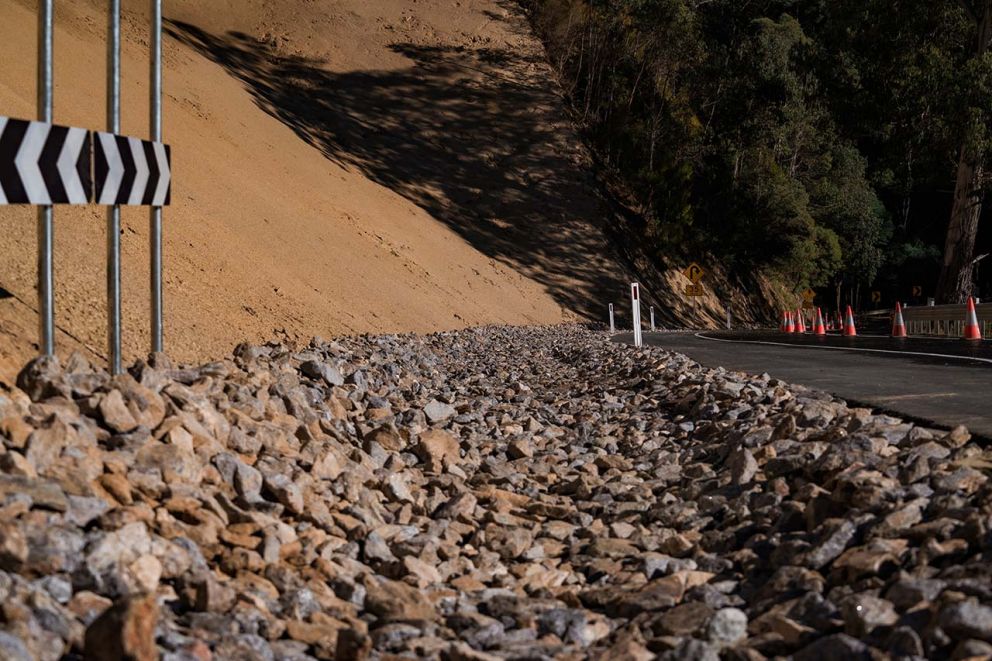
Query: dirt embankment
(340, 166)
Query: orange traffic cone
(785, 322)
(800, 324)
(898, 325)
(849, 329)
(818, 327)
(971, 329)
(789, 326)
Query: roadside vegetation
(837, 144)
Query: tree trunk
(955, 284)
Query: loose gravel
(496, 493)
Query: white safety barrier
(635, 306)
(945, 320)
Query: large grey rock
(967, 619)
(438, 411)
(318, 370)
(13, 648)
(728, 626)
(835, 647)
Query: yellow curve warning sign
(694, 272)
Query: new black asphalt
(945, 382)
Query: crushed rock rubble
(494, 493)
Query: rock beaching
(514, 493)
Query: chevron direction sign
(43, 163)
(130, 171)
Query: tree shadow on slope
(469, 135)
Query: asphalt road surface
(936, 381)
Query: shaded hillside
(340, 167)
(470, 135)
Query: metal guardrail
(945, 320)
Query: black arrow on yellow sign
(694, 272)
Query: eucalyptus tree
(975, 94)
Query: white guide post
(652, 318)
(635, 306)
(613, 328)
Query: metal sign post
(613, 328)
(114, 213)
(44, 164)
(155, 229)
(46, 279)
(635, 306)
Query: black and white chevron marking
(130, 171)
(43, 163)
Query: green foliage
(796, 136)
(914, 250)
(844, 203)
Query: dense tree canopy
(819, 140)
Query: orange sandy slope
(340, 166)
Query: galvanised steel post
(114, 213)
(155, 230)
(46, 280)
